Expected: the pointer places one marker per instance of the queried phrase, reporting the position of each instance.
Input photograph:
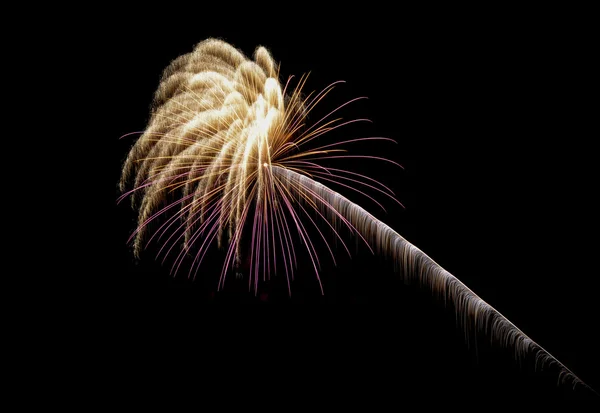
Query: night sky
(496, 188)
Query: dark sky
(496, 187)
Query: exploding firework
(224, 160)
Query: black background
(486, 109)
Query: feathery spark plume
(225, 146)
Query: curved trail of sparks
(416, 264)
(225, 147)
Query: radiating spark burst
(225, 146)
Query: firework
(224, 160)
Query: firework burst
(219, 126)
(224, 160)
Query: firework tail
(416, 266)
